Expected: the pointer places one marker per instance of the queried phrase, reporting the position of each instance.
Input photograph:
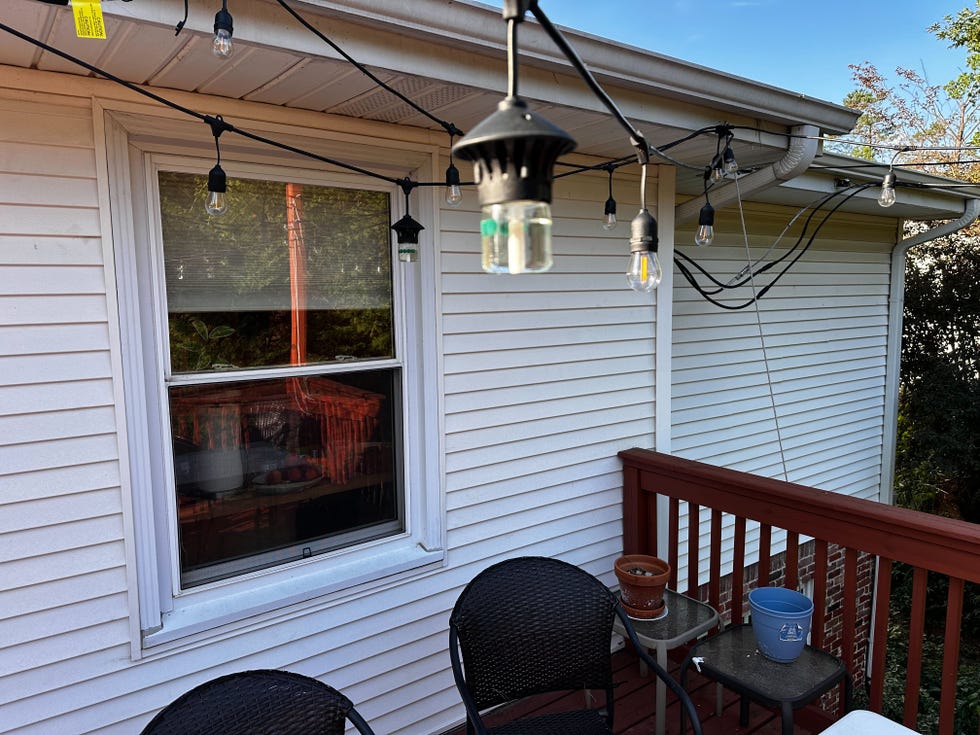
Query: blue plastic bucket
(780, 621)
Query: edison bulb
(887, 196)
(609, 221)
(516, 237)
(644, 272)
(217, 203)
(222, 46)
(454, 195)
(705, 235)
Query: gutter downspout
(802, 150)
(893, 354)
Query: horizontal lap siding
(63, 600)
(547, 376)
(824, 328)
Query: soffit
(448, 56)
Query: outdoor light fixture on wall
(407, 229)
(223, 30)
(514, 151)
(217, 201)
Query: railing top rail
(932, 542)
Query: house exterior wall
(544, 379)
(823, 334)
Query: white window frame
(166, 614)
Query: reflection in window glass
(269, 470)
(291, 274)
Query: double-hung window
(275, 391)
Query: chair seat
(578, 722)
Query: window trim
(162, 613)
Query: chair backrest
(531, 625)
(260, 702)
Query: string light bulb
(454, 195)
(217, 201)
(729, 164)
(706, 226)
(887, 196)
(643, 273)
(223, 29)
(706, 219)
(609, 211)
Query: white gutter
(893, 354)
(799, 155)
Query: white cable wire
(762, 336)
(750, 268)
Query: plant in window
(201, 341)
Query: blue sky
(800, 45)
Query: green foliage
(233, 281)
(193, 336)
(938, 463)
(967, 708)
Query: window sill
(196, 613)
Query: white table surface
(863, 722)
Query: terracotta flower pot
(642, 580)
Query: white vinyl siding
(824, 328)
(547, 376)
(63, 599)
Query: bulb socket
(643, 233)
(217, 181)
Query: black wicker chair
(261, 702)
(534, 625)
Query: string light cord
(228, 127)
(637, 139)
(447, 126)
(682, 258)
(749, 269)
(182, 23)
(735, 281)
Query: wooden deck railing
(860, 528)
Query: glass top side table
(686, 619)
(732, 659)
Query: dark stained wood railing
(930, 544)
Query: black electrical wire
(773, 263)
(193, 113)
(708, 296)
(447, 126)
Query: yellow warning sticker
(88, 18)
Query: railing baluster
(738, 572)
(714, 563)
(674, 541)
(693, 548)
(951, 658)
(913, 668)
(792, 560)
(819, 593)
(844, 529)
(765, 549)
(880, 635)
(850, 607)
